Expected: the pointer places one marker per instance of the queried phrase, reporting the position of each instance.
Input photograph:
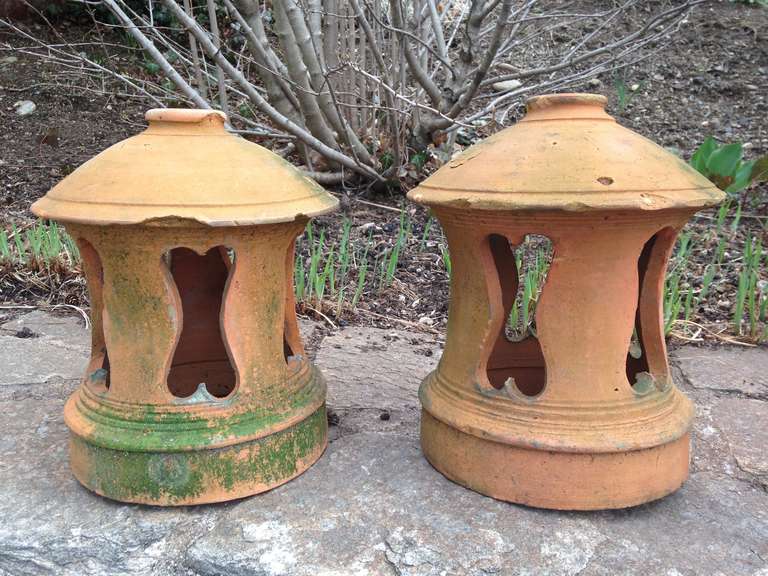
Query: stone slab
(725, 369)
(66, 330)
(372, 505)
(37, 347)
(745, 426)
(52, 526)
(375, 373)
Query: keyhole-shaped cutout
(516, 359)
(98, 371)
(647, 366)
(201, 364)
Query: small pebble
(25, 107)
(25, 333)
(507, 85)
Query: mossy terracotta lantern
(198, 389)
(565, 417)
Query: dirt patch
(73, 120)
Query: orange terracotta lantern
(564, 418)
(198, 389)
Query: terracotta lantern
(566, 417)
(198, 389)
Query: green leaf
(742, 179)
(702, 154)
(760, 169)
(725, 160)
(151, 67)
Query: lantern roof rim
(185, 167)
(567, 153)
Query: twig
(214, 24)
(81, 58)
(332, 325)
(659, 19)
(421, 327)
(80, 311)
(368, 203)
(716, 335)
(156, 55)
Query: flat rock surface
(745, 425)
(373, 377)
(372, 505)
(38, 347)
(743, 370)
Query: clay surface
(565, 417)
(198, 389)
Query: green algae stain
(184, 476)
(644, 384)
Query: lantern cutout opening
(98, 376)
(646, 360)
(516, 278)
(201, 360)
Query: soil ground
(711, 80)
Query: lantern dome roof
(567, 153)
(185, 166)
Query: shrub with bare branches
(367, 88)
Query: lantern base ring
(550, 479)
(201, 476)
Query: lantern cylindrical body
(571, 415)
(198, 389)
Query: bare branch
(214, 23)
(270, 72)
(400, 30)
(488, 59)
(201, 84)
(437, 29)
(156, 55)
(327, 151)
(413, 64)
(381, 65)
(298, 72)
(662, 18)
(309, 54)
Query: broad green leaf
(745, 169)
(151, 67)
(760, 169)
(742, 179)
(702, 154)
(725, 160)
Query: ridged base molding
(201, 476)
(556, 480)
